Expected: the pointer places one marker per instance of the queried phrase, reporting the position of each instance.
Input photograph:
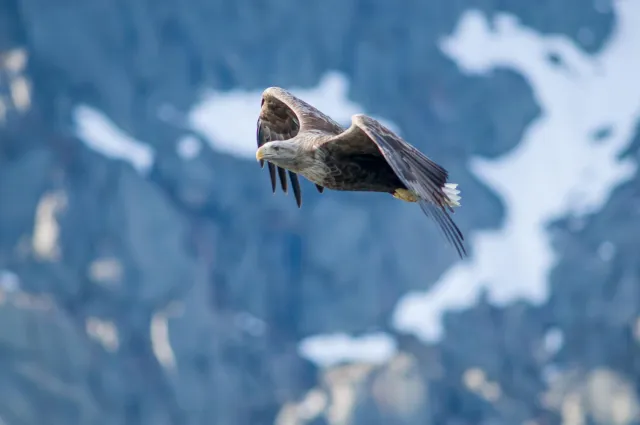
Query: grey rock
(180, 297)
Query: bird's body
(295, 137)
(337, 170)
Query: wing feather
(295, 184)
(446, 225)
(419, 173)
(264, 135)
(282, 116)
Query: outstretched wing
(419, 173)
(282, 116)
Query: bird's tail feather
(452, 193)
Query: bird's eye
(276, 148)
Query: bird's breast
(317, 173)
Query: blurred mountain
(180, 294)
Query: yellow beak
(260, 154)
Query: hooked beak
(260, 154)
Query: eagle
(296, 138)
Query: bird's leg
(405, 195)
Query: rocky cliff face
(100, 264)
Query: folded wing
(282, 116)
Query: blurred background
(148, 275)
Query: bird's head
(283, 153)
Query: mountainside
(162, 281)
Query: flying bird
(296, 138)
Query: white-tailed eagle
(296, 138)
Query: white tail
(452, 194)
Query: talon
(405, 195)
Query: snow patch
(100, 134)
(553, 341)
(606, 251)
(9, 281)
(228, 119)
(332, 349)
(188, 147)
(555, 171)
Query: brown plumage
(296, 138)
